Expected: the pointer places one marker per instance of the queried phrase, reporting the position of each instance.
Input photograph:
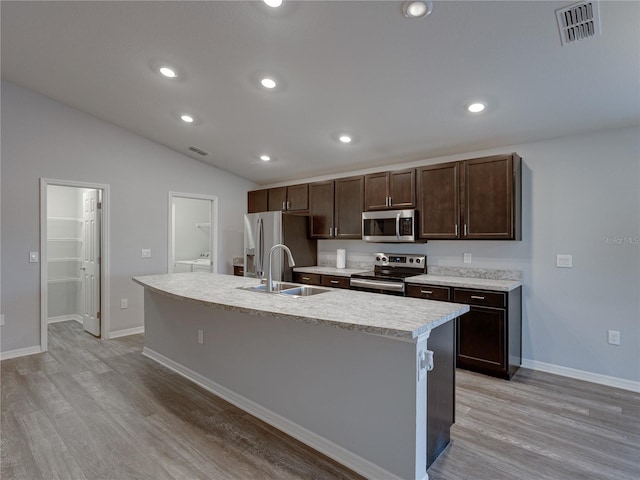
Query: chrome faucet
(292, 263)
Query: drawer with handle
(479, 297)
(307, 278)
(335, 281)
(429, 292)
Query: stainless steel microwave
(390, 226)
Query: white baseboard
(20, 352)
(330, 449)
(582, 375)
(65, 318)
(126, 332)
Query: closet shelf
(66, 219)
(65, 280)
(67, 239)
(64, 259)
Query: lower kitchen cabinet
(307, 278)
(335, 281)
(489, 336)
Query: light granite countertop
(338, 272)
(465, 282)
(387, 315)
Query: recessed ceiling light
(168, 72)
(187, 118)
(476, 107)
(268, 83)
(345, 138)
(417, 9)
(273, 3)
(265, 158)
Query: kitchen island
(343, 371)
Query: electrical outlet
(564, 261)
(200, 336)
(33, 257)
(2, 320)
(613, 337)
(146, 253)
(466, 258)
(124, 303)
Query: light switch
(33, 257)
(467, 258)
(564, 261)
(146, 253)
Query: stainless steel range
(389, 272)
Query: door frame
(105, 273)
(213, 228)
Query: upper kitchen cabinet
(294, 198)
(439, 201)
(390, 190)
(478, 199)
(349, 200)
(491, 198)
(335, 207)
(257, 201)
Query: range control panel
(395, 260)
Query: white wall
(43, 138)
(581, 196)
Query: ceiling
(399, 86)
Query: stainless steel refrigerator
(264, 230)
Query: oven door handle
(376, 284)
(398, 226)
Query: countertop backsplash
(364, 261)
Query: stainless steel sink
(304, 291)
(289, 289)
(277, 287)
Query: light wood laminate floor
(100, 410)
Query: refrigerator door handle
(260, 248)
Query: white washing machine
(200, 264)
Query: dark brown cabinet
(307, 278)
(335, 281)
(477, 199)
(489, 336)
(491, 198)
(238, 270)
(386, 190)
(335, 208)
(439, 201)
(294, 198)
(257, 201)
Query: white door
(90, 268)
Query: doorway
(74, 252)
(192, 233)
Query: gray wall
(581, 196)
(43, 138)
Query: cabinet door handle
(477, 297)
(456, 226)
(428, 292)
(334, 281)
(306, 278)
(288, 205)
(390, 202)
(465, 229)
(331, 231)
(284, 207)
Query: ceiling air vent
(199, 151)
(578, 21)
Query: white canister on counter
(341, 258)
